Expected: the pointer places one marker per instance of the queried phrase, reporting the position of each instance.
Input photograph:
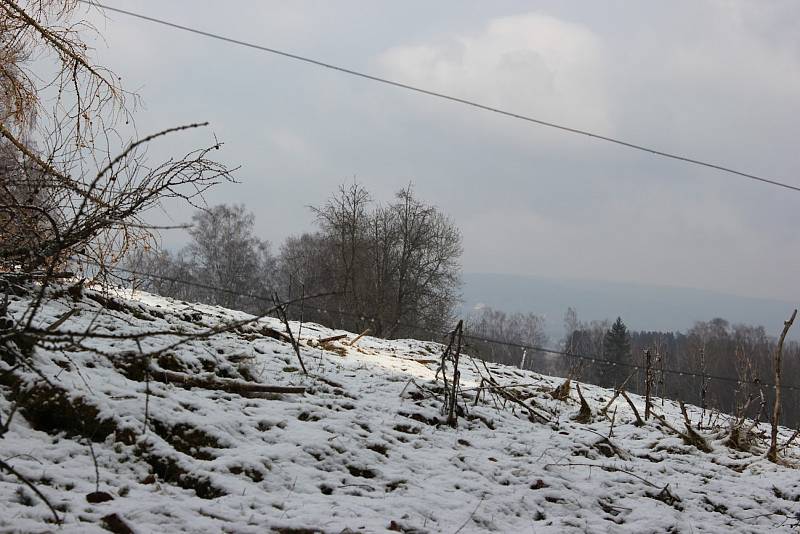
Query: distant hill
(642, 307)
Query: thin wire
(435, 94)
(491, 341)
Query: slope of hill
(364, 449)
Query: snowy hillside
(364, 449)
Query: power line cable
(444, 96)
(479, 339)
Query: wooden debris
(229, 385)
(561, 392)
(61, 320)
(331, 338)
(585, 413)
(692, 437)
(639, 421)
(358, 337)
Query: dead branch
(648, 384)
(331, 338)
(613, 420)
(585, 413)
(687, 438)
(478, 393)
(443, 369)
(229, 385)
(358, 337)
(452, 415)
(21, 478)
(604, 467)
(561, 392)
(505, 394)
(61, 320)
(617, 391)
(772, 453)
(281, 309)
(639, 421)
(790, 440)
(606, 442)
(761, 407)
(691, 436)
(470, 515)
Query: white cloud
(530, 63)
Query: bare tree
(517, 330)
(344, 223)
(224, 263)
(426, 271)
(586, 339)
(98, 187)
(225, 253)
(393, 265)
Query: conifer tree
(617, 349)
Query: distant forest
(736, 360)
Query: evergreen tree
(617, 349)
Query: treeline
(715, 364)
(386, 267)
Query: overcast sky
(718, 81)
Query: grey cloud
(715, 80)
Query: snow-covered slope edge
(363, 450)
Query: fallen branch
(33, 488)
(358, 337)
(606, 441)
(692, 437)
(639, 421)
(617, 391)
(229, 385)
(688, 439)
(470, 515)
(790, 440)
(331, 338)
(62, 319)
(604, 468)
(509, 396)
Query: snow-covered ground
(365, 449)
